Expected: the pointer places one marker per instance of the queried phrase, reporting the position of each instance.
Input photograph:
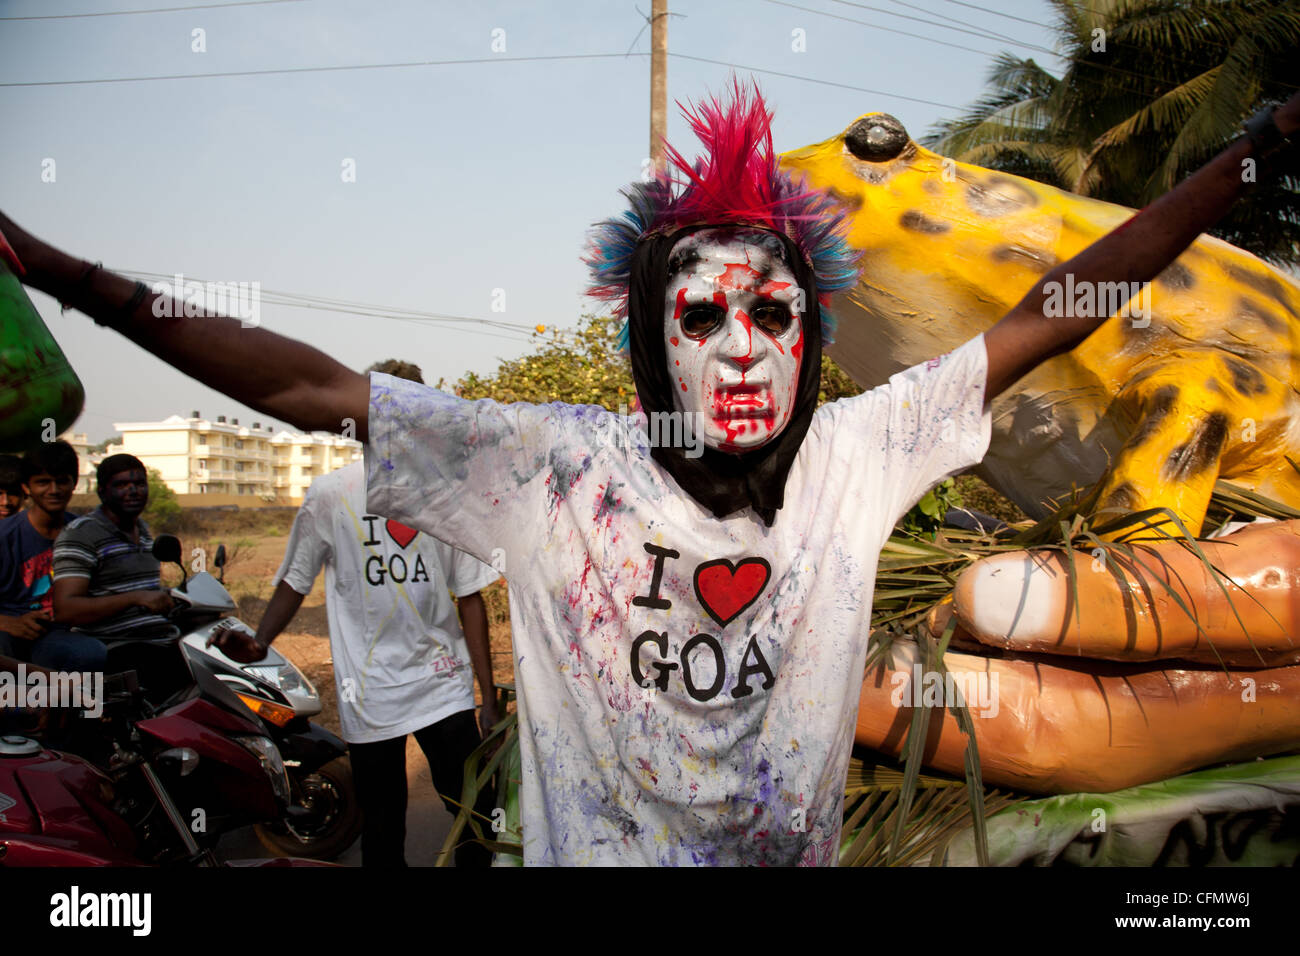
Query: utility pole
(658, 82)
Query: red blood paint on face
(797, 349)
(737, 276)
(742, 360)
(771, 286)
(673, 339)
(680, 306)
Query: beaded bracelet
(124, 314)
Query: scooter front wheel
(333, 821)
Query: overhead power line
(990, 34)
(1105, 67)
(325, 69)
(493, 328)
(489, 59)
(997, 13)
(128, 13)
(977, 32)
(918, 36)
(809, 79)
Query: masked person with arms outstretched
(689, 629)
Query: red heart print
(725, 589)
(400, 532)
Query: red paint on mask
(772, 285)
(742, 360)
(680, 307)
(738, 276)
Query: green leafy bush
(163, 513)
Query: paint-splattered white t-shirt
(688, 685)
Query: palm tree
(1153, 89)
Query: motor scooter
(179, 776)
(182, 691)
(323, 818)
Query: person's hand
(234, 640)
(27, 627)
(487, 717)
(157, 602)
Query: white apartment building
(200, 457)
(86, 461)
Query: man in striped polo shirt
(106, 579)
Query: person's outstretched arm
(1136, 252)
(278, 376)
(474, 622)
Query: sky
(462, 188)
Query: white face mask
(733, 336)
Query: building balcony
(212, 451)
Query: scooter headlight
(268, 755)
(284, 676)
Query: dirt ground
(253, 559)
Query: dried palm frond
(497, 755)
(874, 812)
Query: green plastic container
(37, 385)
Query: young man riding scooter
(107, 582)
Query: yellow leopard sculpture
(1194, 382)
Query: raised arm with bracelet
(1136, 252)
(282, 377)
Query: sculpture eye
(772, 318)
(876, 138)
(699, 320)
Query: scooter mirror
(167, 547)
(220, 559)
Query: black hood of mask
(721, 482)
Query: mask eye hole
(699, 320)
(771, 318)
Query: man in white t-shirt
(402, 664)
(690, 613)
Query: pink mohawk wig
(737, 182)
